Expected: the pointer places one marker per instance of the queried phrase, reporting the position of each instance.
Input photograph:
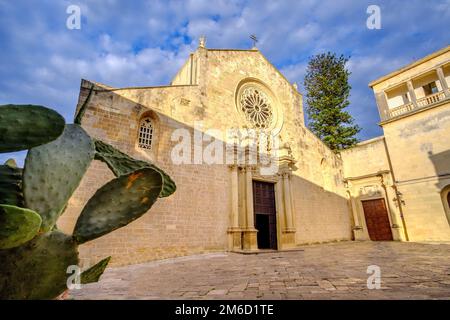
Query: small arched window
(146, 132)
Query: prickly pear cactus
(38, 269)
(34, 255)
(120, 164)
(26, 126)
(60, 165)
(94, 273)
(19, 225)
(117, 203)
(11, 184)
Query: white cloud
(138, 43)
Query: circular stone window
(257, 107)
(257, 104)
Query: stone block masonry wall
(193, 220)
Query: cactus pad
(118, 203)
(121, 164)
(26, 126)
(53, 171)
(94, 273)
(11, 184)
(37, 269)
(17, 226)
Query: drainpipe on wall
(394, 185)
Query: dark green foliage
(26, 126)
(18, 225)
(118, 203)
(11, 184)
(37, 269)
(53, 171)
(121, 164)
(93, 273)
(328, 90)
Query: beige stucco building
(409, 167)
(314, 195)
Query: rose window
(256, 107)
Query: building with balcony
(401, 181)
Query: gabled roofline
(256, 50)
(110, 89)
(267, 60)
(409, 66)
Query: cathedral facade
(313, 196)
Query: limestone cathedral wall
(193, 220)
(196, 218)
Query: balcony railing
(397, 111)
(432, 98)
(421, 103)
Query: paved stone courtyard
(326, 271)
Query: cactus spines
(118, 203)
(17, 226)
(11, 184)
(26, 126)
(120, 164)
(37, 269)
(93, 273)
(53, 171)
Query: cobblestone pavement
(326, 271)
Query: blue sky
(141, 43)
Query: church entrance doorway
(377, 220)
(265, 214)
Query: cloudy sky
(140, 43)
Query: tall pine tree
(327, 87)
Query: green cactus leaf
(94, 273)
(27, 126)
(121, 164)
(11, 184)
(53, 171)
(37, 269)
(118, 203)
(17, 226)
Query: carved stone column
(440, 74)
(287, 210)
(358, 230)
(249, 239)
(394, 213)
(234, 231)
(288, 202)
(412, 93)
